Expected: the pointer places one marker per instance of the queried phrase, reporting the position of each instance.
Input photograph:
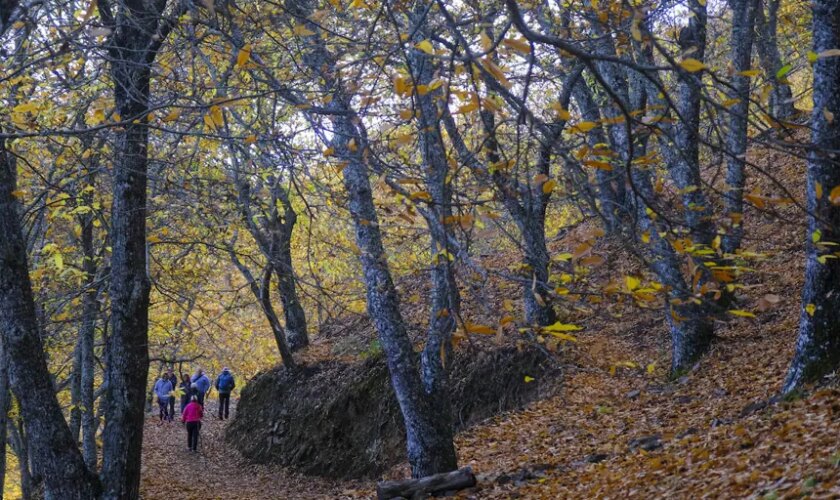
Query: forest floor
(620, 427)
(613, 432)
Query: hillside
(619, 425)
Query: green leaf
(784, 70)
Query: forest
(473, 248)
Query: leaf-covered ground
(620, 427)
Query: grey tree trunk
(741, 42)
(132, 49)
(50, 442)
(429, 452)
(273, 234)
(444, 299)
(5, 405)
(281, 252)
(767, 46)
(818, 345)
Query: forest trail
(619, 428)
(217, 471)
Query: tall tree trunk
(281, 257)
(5, 405)
(127, 349)
(75, 421)
(767, 45)
(743, 29)
(609, 196)
(818, 345)
(445, 301)
(52, 445)
(429, 451)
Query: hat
(226, 369)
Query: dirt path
(171, 472)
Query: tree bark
(429, 452)
(445, 303)
(51, 443)
(767, 45)
(420, 488)
(741, 41)
(5, 404)
(818, 345)
(132, 53)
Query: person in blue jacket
(163, 390)
(202, 384)
(225, 383)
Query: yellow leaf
(810, 309)
(250, 139)
(172, 116)
(562, 112)
(421, 195)
(425, 46)
(517, 44)
(496, 71)
(692, 65)
(583, 127)
(59, 260)
(562, 327)
(646, 237)
(480, 329)
(466, 108)
(329, 151)
(302, 30)
(352, 145)
(529, 379)
(216, 116)
(244, 55)
(834, 195)
(741, 313)
(650, 368)
(750, 73)
(18, 194)
(632, 282)
(549, 185)
(819, 190)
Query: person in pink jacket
(192, 416)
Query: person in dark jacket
(186, 391)
(225, 383)
(173, 379)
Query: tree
(138, 30)
(818, 346)
(50, 443)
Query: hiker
(173, 379)
(225, 384)
(191, 417)
(186, 391)
(163, 389)
(202, 383)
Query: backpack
(225, 382)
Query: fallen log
(420, 488)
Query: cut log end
(420, 488)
